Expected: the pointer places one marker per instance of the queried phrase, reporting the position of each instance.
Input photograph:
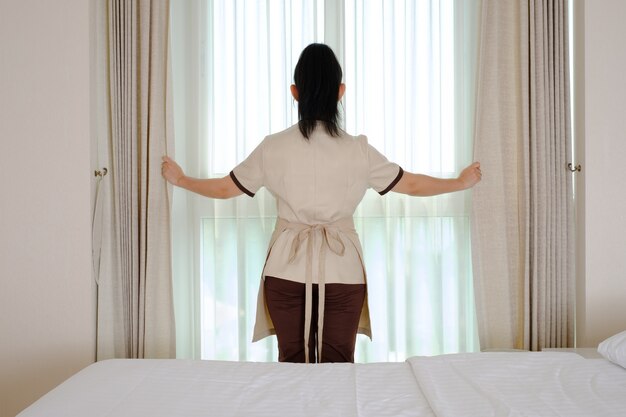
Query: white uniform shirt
(315, 181)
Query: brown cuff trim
(238, 184)
(393, 183)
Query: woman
(313, 287)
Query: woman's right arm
(213, 187)
(424, 185)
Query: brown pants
(342, 310)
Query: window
(408, 76)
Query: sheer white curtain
(409, 65)
(409, 88)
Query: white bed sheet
(483, 384)
(521, 384)
(212, 388)
(389, 389)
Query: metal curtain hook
(576, 168)
(101, 173)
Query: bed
(475, 384)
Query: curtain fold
(135, 307)
(523, 210)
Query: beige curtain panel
(135, 303)
(522, 221)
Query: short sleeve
(384, 175)
(248, 175)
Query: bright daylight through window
(408, 69)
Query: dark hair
(317, 77)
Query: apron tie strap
(331, 240)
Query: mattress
(214, 388)
(479, 384)
(521, 384)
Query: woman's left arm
(213, 187)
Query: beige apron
(332, 237)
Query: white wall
(47, 304)
(602, 301)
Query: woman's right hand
(471, 175)
(171, 171)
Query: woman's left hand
(171, 171)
